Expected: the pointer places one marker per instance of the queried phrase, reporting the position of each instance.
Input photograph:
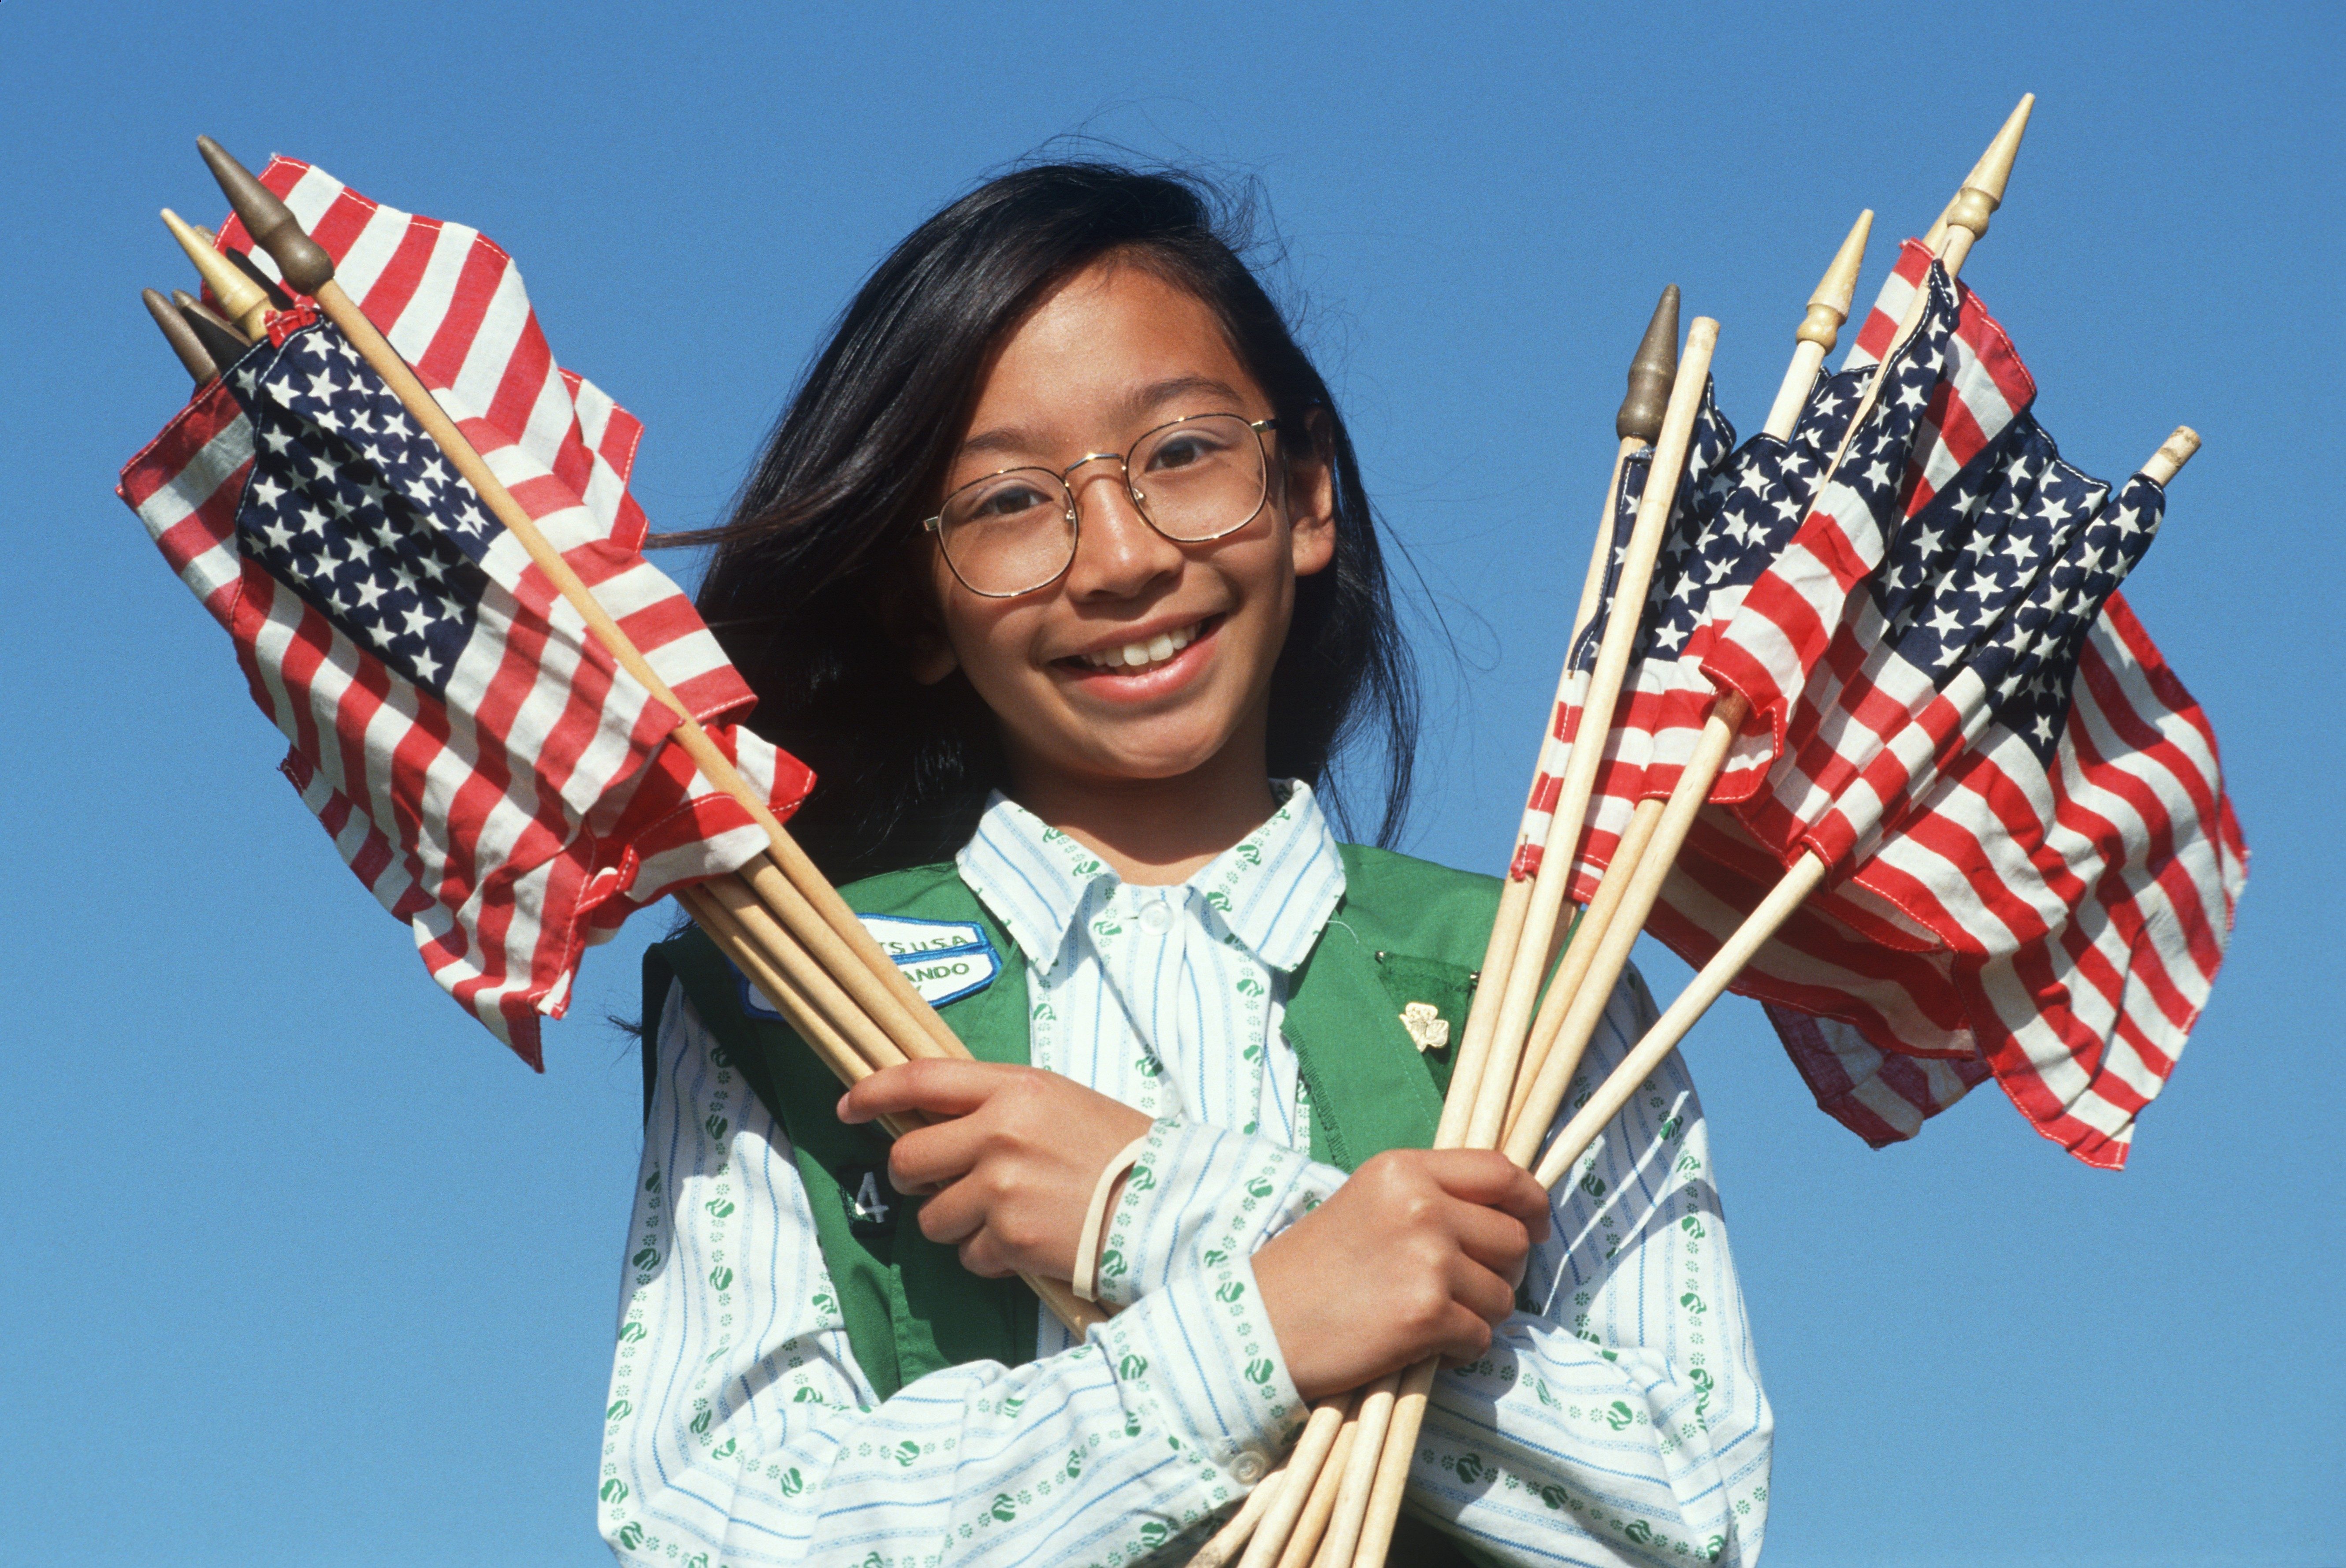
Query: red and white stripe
(521, 819)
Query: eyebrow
(1214, 397)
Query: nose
(1118, 554)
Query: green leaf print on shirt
(615, 1491)
(905, 1453)
(716, 1125)
(720, 1207)
(631, 1535)
(1004, 1507)
(1619, 1415)
(792, 1482)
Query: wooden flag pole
(1711, 981)
(1376, 1419)
(1819, 331)
(832, 1047)
(1303, 1467)
(1554, 878)
(1638, 423)
(1232, 1539)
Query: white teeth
(1141, 656)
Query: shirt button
(1247, 1468)
(1157, 917)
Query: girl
(1058, 572)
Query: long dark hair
(827, 523)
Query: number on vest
(870, 1207)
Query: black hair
(826, 523)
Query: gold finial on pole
(300, 259)
(1966, 218)
(180, 336)
(2171, 455)
(1651, 370)
(1821, 329)
(241, 300)
(223, 342)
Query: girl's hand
(1011, 1162)
(1418, 1254)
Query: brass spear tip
(1989, 176)
(1837, 286)
(302, 259)
(241, 298)
(222, 341)
(177, 333)
(2172, 455)
(1828, 306)
(1982, 189)
(1651, 370)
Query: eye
(1185, 449)
(1002, 500)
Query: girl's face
(1111, 354)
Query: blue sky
(308, 1267)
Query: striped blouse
(1622, 1422)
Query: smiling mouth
(1139, 658)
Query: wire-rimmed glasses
(1193, 480)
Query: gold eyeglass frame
(1123, 460)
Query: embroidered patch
(944, 960)
(1426, 1026)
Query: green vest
(1405, 932)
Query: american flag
(2027, 800)
(2042, 885)
(482, 764)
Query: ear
(907, 608)
(1311, 482)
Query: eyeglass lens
(1195, 480)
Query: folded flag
(481, 763)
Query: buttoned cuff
(1199, 1196)
(1199, 1355)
